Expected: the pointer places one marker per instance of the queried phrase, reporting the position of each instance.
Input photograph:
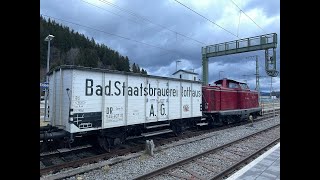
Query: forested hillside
(72, 48)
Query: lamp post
(245, 77)
(48, 38)
(220, 74)
(177, 61)
(271, 88)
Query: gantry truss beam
(262, 42)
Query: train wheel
(119, 140)
(176, 129)
(255, 116)
(104, 143)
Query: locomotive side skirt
(235, 112)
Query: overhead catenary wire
(157, 55)
(206, 18)
(129, 39)
(247, 16)
(121, 16)
(112, 12)
(124, 10)
(148, 20)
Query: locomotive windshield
(233, 85)
(244, 86)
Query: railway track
(218, 162)
(55, 161)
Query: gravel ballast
(165, 155)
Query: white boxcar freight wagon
(86, 99)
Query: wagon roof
(115, 72)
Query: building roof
(189, 72)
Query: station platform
(265, 167)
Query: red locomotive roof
(229, 80)
(229, 83)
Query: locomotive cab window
(232, 85)
(244, 86)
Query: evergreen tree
(126, 64)
(138, 69)
(134, 68)
(88, 57)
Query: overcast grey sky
(174, 32)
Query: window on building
(194, 78)
(180, 76)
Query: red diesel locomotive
(229, 101)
